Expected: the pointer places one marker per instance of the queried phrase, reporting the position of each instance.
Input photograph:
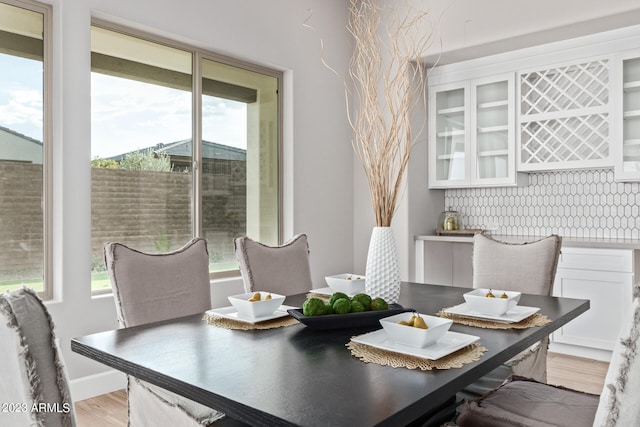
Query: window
(239, 159)
(183, 144)
(24, 147)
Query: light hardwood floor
(110, 410)
(576, 372)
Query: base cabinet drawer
(619, 260)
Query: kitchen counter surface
(566, 241)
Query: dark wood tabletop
(297, 376)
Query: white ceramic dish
(328, 291)
(232, 313)
(324, 291)
(516, 314)
(412, 336)
(261, 308)
(502, 301)
(348, 283)
(447, 344)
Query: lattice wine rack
(564, 116)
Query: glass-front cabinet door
(492, 124)
(449, 136)
(628, 117)
(472, 133)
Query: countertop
(590, 242)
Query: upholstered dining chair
(153, 287)
(281, 269)
(33, 379)
(525, 402)
(525, 267)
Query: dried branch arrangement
(387, 83)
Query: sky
(21, 95)
(125, 115)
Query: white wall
(318, 156)
(324, 191)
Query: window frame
(198, 56)
(47, 139)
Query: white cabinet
(472, 133)
(493, 133)
(627, 117)
(449, 139)
(605, 277)
(576, 105)
(564, 116)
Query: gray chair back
(282, 269)
(32, 375)
(153, 287)
(618, 404)
(525, 267)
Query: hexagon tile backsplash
(579, 204)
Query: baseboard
(579, 351)
(97, 384)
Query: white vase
(383, 269)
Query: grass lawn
(99, 282)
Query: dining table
(302, 376)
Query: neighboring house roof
(184, 148)
(18, 147)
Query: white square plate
(449, 343)
(231, 313)
(515, 315)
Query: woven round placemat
(369, 354)
(226, 323)
(532, 321)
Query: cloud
(21, 95)
(23, 111)
(129, 115)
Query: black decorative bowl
(345, 321)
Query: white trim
(97, 384)
(580, 351)
(544, 55)
(419, 273)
